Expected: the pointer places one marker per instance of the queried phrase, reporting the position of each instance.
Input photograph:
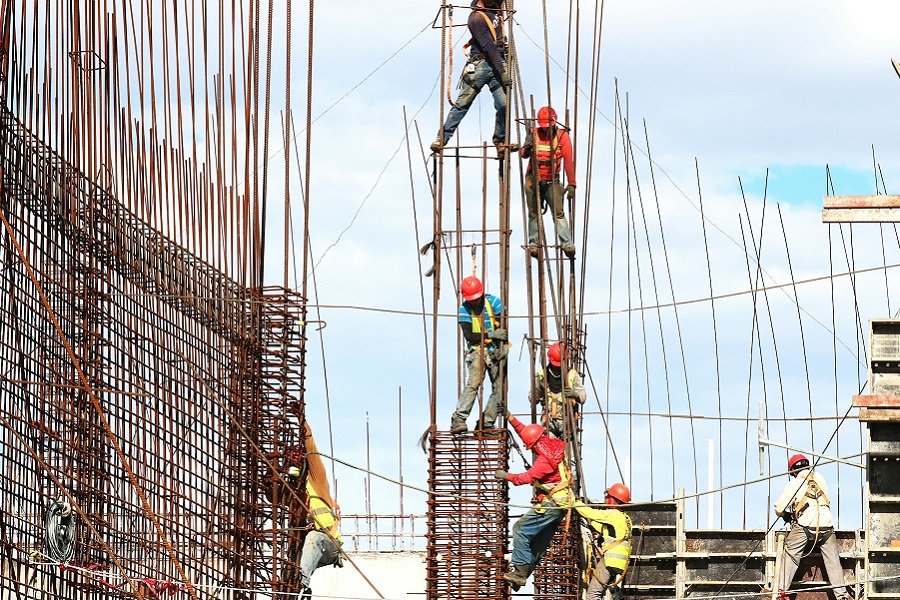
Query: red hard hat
(531, 434)
(792, 461)
(546, 117)
(554, 355)
(620, 492)
(471, 288)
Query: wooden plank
(879, 414)
(883, 201)
(860, 215)
(876, 401)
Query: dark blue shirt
(483, 39)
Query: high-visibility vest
(322, 515)
(555, 400)
(477, 320)
(548, 156)
(614, 527)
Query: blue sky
(740, 88)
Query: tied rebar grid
(197, 378)
(557, 576)
(467, 515)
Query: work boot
(569, 250)
(516, 576)
(458, 428)
(437, 145)
(306, 594)
(532, 249)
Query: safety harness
(500, 43)
(799, 504)
(560, 494)
(554, 401)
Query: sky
(759, 98)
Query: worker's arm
(596, 517)
(565, 147)
(786, 499)
(577, 390)
(472, 338)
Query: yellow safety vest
(322, 515)
(477, 320)
(616, 548)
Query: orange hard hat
(620, 492)
(471, 288)
(795, 460)
(546, 117)
(554, 354)
(531, 434)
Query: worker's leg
(318, 550)
(597, 585)
(832, 559)
(534, 210)
(794, 544)
(555, 189)
(527, 528)
(471, 84)
(473, 381)
(496, 369)
(499, 93)
(541, 541)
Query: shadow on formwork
(467, 515)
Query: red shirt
(550, 451)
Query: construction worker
(550, 392)
(610, 560)
(804, 504)
(486, 350)
(322, 544)
(551, 148)
(486, 65)
(534, 531)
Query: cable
(59, 531)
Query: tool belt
(815, 537)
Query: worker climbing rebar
(486, 65)
(556, 394)
(486, 350)
(533, 532)
(550, 146)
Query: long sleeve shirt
(482, 37)
(545, 469)
(794, 497)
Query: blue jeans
(471, 84)
(318, 550)
(552, 191)
(533, 533)
(475, 377)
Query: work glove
(500, 475)
(294, 471)
(787, 516)
(571, 393)
(498, 334)
(570, 192)
(505, 79)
